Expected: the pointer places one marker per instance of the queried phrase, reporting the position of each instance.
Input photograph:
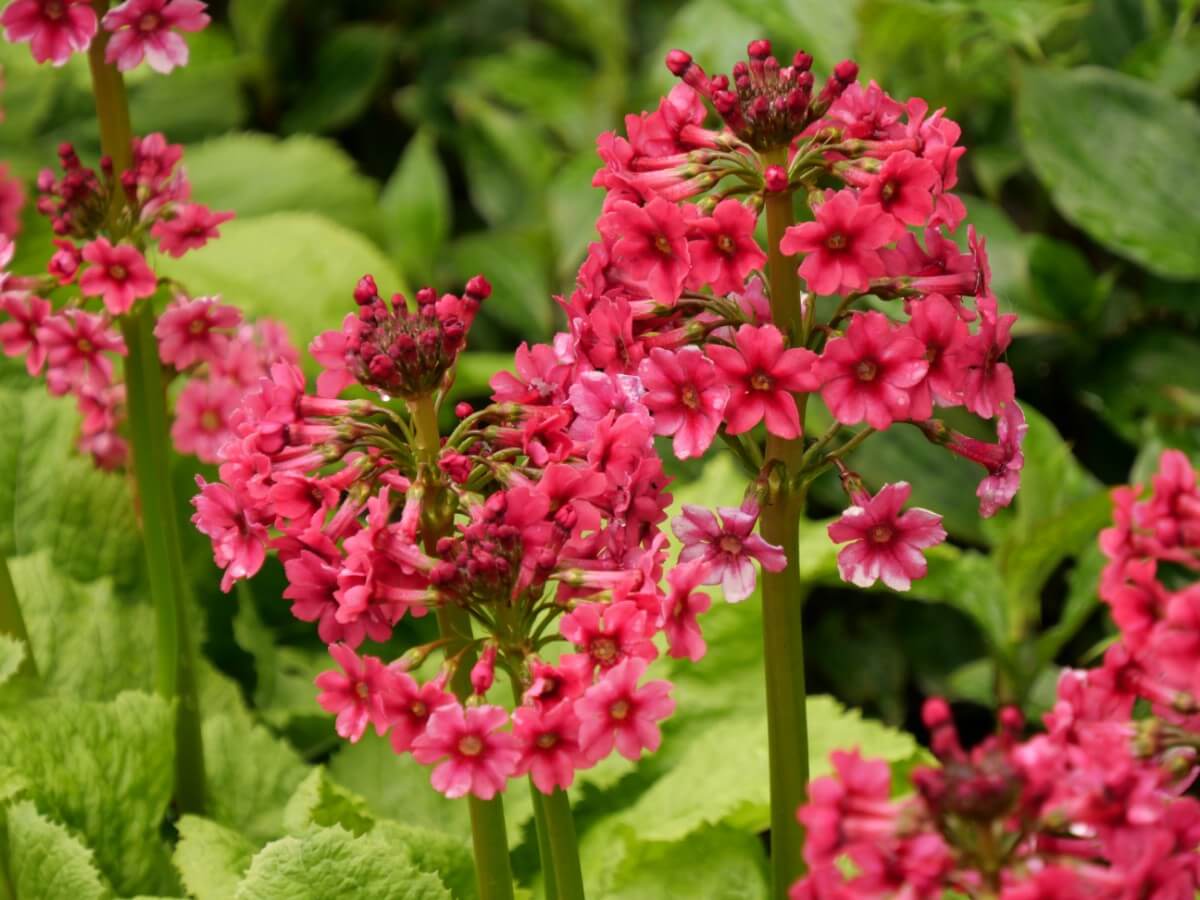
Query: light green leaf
(350, 67)
(88, 643)
(296, 174)
(320, 801)
(1132, 191)
(449, 858)
(299, 268)
(251, 775)
(573, 206)
(104, 770)
(211, 858)
(47, 862)
(417, 208)
(331, 862)
(12, 654)
(28, 92)
(713, 864)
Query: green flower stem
(146, 401)
(493, 868)
(12, 622)
(782, 592)
(564, 848)
(545, 849)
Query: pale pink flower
(680, 608)
(478, 757)
(195, 331)
(885, 543)
(687, 395)
(202, 413)
(146, 29)
(54, 28)
(354, 694)
(118, 274)
(615, 711)
(191, 227)
(729, 548)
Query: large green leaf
(47, 862)
(417, 208)
(105, 771)
(1150, 374)
(254, 174)
(210, 858)
(1118, 157)
(298, 268)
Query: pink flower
(143, 29)
(478, 757)
(54, 28)
(869, 374)
(763, 376)
(608, 633)
(356, 696)
(680, 608)
(329, 349)
(548, 737)
(904, 188)
(188, 334)
(722, 248)
(842, 244)
(18, 336)
(408, 705)
(936, 324)
(650, 241)
(728, 549)
(687, 397)
(77, 346)
(118, 274)
(236, 529)
(192, 226)
(12, 197)
(885, 543)
(1000, 485)
(202, 412)
(616, 711)
(64, 264)
(988, 383)
(312, 582)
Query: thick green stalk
(12, 623)
(564, 847)
(493, 868)
(782, 592)
(146, 401)
(545, 850)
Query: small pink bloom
(868, 375)
(936, 324)
(355, 696)
(651, 242)
(904, 188)
(190, 228)
(54, 28)
(18, 336)
(12, 196)
(763, 376)
(729, 548)
(548, 737)
(77, 346)
(687, 396)
(236, 529)
(195, 331)
(616, 711)
(407, 706)
(312, 582)
(478, 757)
(722, 248)
(886, 544)
(118, 274)
(608, 633)
(594, 395)
(987, 382)
(143, 29)
(681, 607)
(202, 412)
(64, 264)
(329, 349)
(842, 244)
(1000, 485)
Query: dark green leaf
(417, 208)
(349, 69)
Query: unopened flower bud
(478, 289)
(776, 179)
(365, 290)
(483, 673)
(463, 409)
(759, 49)
(678, 62)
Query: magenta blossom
(195, 331)
(681, 607)
(687, 396)
(236, 529)
(145, 29)
(54, 28)
(616, 711)
(729, 548)
(118, 274)
(549, 740)
(354, 694)
(764, 376)
(885, 543)
(18, 336)
(477, 758)
(192, 226)
(407, 706)
(723, 249)
(842, 245)
(202, 414)
(651, 242)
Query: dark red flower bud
(365, 290)
(846, 71)
(478, 288)
(935, 713)
(759, 49)
(463, 409)
(775, 178)
(678, 62)
(802, 61)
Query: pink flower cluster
(1095, 807)
(672, 302)
(134, 30)
(540, 520)
(99, 256)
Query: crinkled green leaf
(105, 771)
(210, 858)
(251, 775)
(88, 643)
(256, 174)
(332, 862)
(320, 801)
(417, 208)
(1150, 144)
(450, 858)
(47, 862)
(296, 267)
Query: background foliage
(425, 142)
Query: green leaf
(88, 643)
(253, 22)
(515, 262)
(255, 174)
(12, 654)
(320, 801)
(713, 864)
(1117, 156)
(449, 858)
(1082, 600)
(46, 861)
(331, 862)
(1063, 286)
(826, 30)
(350, 67)
(104, 770)
(417, 208)
(713, 31)
(210, 858)
(1149, 374)
(969, 581)
(28, 92)
(251, 775)
(573, 206)
(296, 267)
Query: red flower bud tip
(478, 288)
(426, 296)
(776, 179)
(463, 409)
(365, 290)
(935, 713)
(678, 62)
(1011, 719)
(846, 71)
(759, 49)
(802, 61)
